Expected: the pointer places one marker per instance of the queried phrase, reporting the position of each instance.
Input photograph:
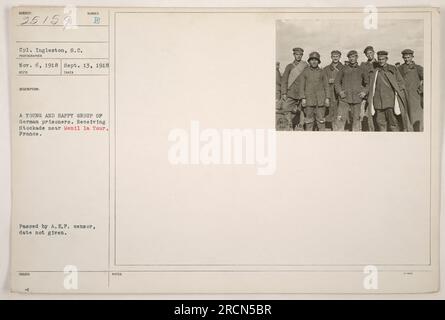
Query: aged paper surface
(130, 176)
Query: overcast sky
(344, 35)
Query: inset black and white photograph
(338, 75)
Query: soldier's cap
(368, 48)
(382, 53)
(335, 52)
(314, 55)
(407, 51)
(352, 52)
(297, 50)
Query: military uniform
(350, 83)
(290, 85)
(387, 97)
(413, 76)
(368, 66)
(331, 72)
(280, 121)
(314, 89)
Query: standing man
(290, 89)
(280, 120)
(387, 96)
(351, 84)
(331, 72)
(412, 73)
(314, 93)
(369, 65)
(277, 82)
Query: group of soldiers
(372, 96)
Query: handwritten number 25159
(34, 20)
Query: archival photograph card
(168, 150)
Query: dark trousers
(347, 111)
(332, 114)
(314, 115)
(386, 118)
(290, 108)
